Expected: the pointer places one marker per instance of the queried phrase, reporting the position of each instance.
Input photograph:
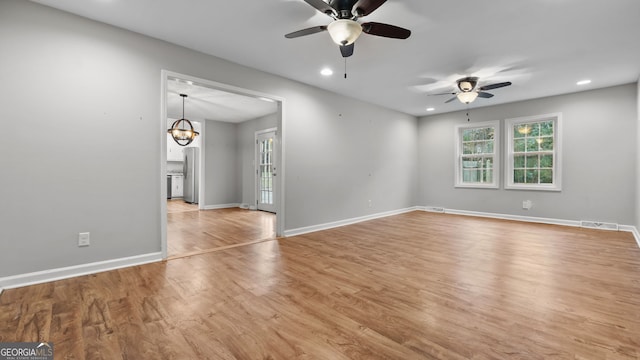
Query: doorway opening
(221, 212)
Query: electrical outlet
(84, 239)
(370, 203)
(527, 204)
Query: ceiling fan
(345, 28)
(468, 91)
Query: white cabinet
(176, 186)
(174, 151)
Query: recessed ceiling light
(326, 72)
(430, 109)
(583, 82)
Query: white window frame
(557, 153)
(459, 154)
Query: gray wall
(637, 222)
(230, 171)
(70, 87)
(246, 152)
(222, 184)
(349, 155)
(599, 159)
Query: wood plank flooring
(190, 231)
(179, 205)
(413, 286)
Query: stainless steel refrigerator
(191, 172)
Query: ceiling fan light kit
(344, 32)
(182, 130)
(467, 97)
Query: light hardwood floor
(412, 286)
(179, 205)
(191, 231)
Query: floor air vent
(434, 209)
(598, 225)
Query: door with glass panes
(265, 170)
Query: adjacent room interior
(369, 179)
(219, 195)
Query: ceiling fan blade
(449, 93)
(450, 100)
(495, 86)
(485, 95)
(347, 50)
(304, 32)
(366, 7)
(385, 30)
(322, 7)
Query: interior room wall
(349, 161)
(246, 151)
(84, 102)
(222, 184)
(637, 222)
(599, 159)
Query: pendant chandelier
(182, 130)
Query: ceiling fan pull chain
(345, 68)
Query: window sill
(477, 186)
(553, 188)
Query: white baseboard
(335, 224)
(633, 230)
(515, 217)
(221, 206)
(16, 281)
(573, 223)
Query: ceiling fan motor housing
(467, 84)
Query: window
(477, 160)
(533, 153)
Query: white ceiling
(543, 46)
(205, 103)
